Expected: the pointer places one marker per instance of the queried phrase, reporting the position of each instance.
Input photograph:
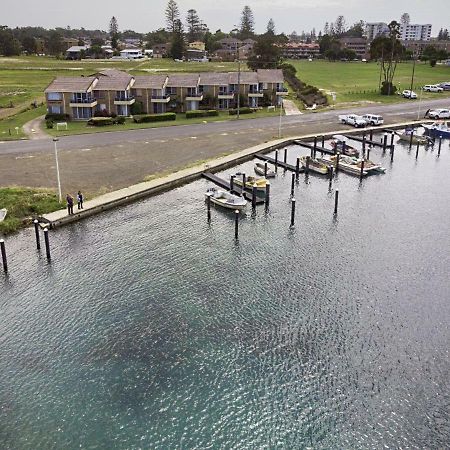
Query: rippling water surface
(153, 329)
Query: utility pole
(414, 68)
(279, 124)
(55, 140)
(239, 87)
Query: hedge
(245, 110)
(52, 116)
(100, 121)
(201, 113)
(154, 117)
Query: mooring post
(323, 141)
(276, 160)
(315, 147)
(285, 155)
(307, 165)
(384, 142)
(440, 143)
(47, 243)
(344, 145)
(297, 168)
(392, 139)
(371, 135)
(312, 152)
(392, 153)
(368, 152)
(208, 206)
(417, 149)
(338, 156)
(292, 211)
(292, 184)
(236, 224)
(336, 201)
(267, 193)
(254, 190)
(244, 180)
(361, 175)
(265, 169)
(36, 233)
(411, 136)
(232, 183)
(364, 144)
(330, 172)
(3, 250)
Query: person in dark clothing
(80, 200)
(69, 204)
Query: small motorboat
(437, 129)
(314, 165)
(344, 165)
(369, 166)
(225, 199)
(410, 137)
(339, 144)
(250, 181)
(260, 168)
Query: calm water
(153, 329)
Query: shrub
(244, 110)
(154, 117)
(100, 121)
(137, 108)
(201, 113)
(49, 123)
(120, 120)
(52, 116)
(102, 113)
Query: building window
(54, 109)
(54, 96)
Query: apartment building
(375, 29)
(357, 44)
(112, 91)
(299, 50)
(415, 32)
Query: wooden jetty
(368, 141)
(279, 163)
(224, 184)
(318, 148)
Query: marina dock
(367, 141)
(278, 163)
(318, 148)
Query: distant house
(358, 44)
(196, 45)
(70, 42)
(76, 51)
(299, 50)
(161, 50)
(193, 54)
(230, 44)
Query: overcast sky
(289, 15)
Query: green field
(357, 81)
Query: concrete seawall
(148, 188)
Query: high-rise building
(375, 29)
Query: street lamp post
(420, 99)
(55, 140)
(281, 112)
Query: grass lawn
(23, 204)
(357, 81)
(80, 127)
(18, 120)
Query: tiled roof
(270, 75)
(214, 79)
(149, 81)
(70, 84)
(246, 78)
(183, 80)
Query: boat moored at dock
(339, 144)
(314, 165)
(261, 183)
(437, 129)
(260, 169)
(225, 199)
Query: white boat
(225, 199)
(260, 167)
(337, 144)
(415, 139)
(369, 165)
(314, 165)
(352, 169)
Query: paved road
(291, 125)
(102, 162)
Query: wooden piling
(307, 165)
(440, 144)
(338, 155)
(297, 168)
(368, 152)
(292, 212)
(323, 141)
(285, 155)
(265, 169)
(276, 160)
(36, 233)
(336, 201)
(384, 142)
(315, 147)
(3, 251)
(267, 194)
(243, 184)
(292, 184)
(392, 139)
(411, 136)
(330, 172)
(371, 135)
(208, 206)
(236, 224)
(232, 183)
(392, 153)
(361, 175)
(417, 149)
(47, 243)
(254, 191)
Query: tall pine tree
(172, 16)
(114, 32)
(178, 46)
(247, 23)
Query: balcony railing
(123, 98)
(255, 91)
(83, 100)
(160, 97)
(194, 94)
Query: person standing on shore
(69, 200)
(80, 200)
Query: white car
(432, 88)
(439, 114)
(352, 119)
(373, 119)
(409, 94)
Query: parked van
(373, 119)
